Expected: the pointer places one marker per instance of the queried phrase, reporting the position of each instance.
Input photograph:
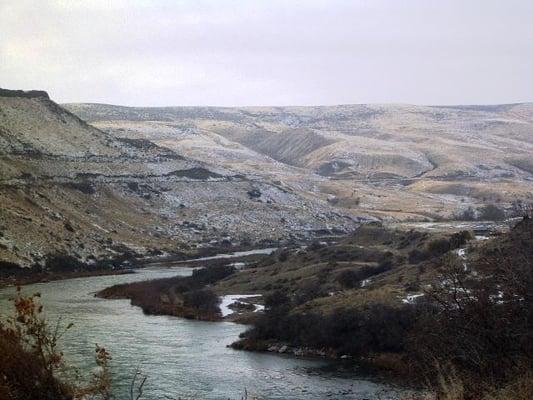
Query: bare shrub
(481, 325)
(33, 368)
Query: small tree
(31, 365)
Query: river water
(182, 358)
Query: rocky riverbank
(286, 348)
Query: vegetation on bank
(59, 266)
(459, 321)
(345, 271)
(62, 265)
(493, 212)
(187, 297)
(32, 366)
(468, 334)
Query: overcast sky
(246, 52)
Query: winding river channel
(182, 358)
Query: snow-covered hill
(68, 187)
(401, 161)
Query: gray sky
(246, 52)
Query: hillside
(68, 187)
(178, 179)
(393, 161)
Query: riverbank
(50, 277)
(187, 297)
(389, 367)
(374, 297)
(190, 297)
(327, 271)
(475, 293)
(68, 267)
(183, 358)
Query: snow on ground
(237, 265)
(461, 253)
(266, 251)
(411, 298)
(227, 300)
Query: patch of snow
(461, 253)
(266, 251)
(411, 298)
(237, 265)
(99, 227)
(226, 301)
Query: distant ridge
(24, 93)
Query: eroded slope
(399, 161)
(68, 187)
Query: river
(182, 358)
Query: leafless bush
(33, 367)
(480, 326)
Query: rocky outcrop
(30, 94)
(67, 187)
(390, 161)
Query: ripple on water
(181, 357)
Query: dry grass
(358, 298)
(451, 387)
(520, 388)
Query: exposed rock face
(21, 93)
(400, 161)
(66, 186)
(138, 179)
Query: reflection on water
(182, 358)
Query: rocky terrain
(86, 186)
(70, 188)
(372, 264)
(400, 162)
(97, 181)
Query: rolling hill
(68, 187)
(390, 161)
